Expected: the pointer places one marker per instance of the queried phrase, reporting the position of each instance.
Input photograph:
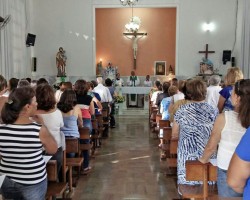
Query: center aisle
(127, 166)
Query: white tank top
(230, 138)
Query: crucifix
(135, 38)
(206, 52)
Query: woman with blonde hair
(225, 102)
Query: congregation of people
(209, 119)
(36, 121)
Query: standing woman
(86, 104)
(227, 133)
(238, 176)
(225, 102)
(21, 145)
(53, 120)
(192, 124)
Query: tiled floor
(127, 167)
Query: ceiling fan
(4, 21)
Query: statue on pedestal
(99, 68)
(206, 66)
(110, 72)
(61, 62)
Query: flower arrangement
(119, 99)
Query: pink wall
(158, 45)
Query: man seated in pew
(227, 133)
(24, 138)
(192, 124)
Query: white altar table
(134, 90)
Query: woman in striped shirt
(22, 142)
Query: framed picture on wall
(160, 67)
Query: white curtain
(245, 41)
(13, 53)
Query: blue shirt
(243, 151)
(226, 92)
(164, 106)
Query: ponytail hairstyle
(18, 98)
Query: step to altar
(133, 112)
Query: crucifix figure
(135, 39)
(206, 51)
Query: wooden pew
(72, 146)
(55, 188)
(172, 159)
(197, 171)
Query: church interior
(180, 39)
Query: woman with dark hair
(21, 145)
(72, 115)
(52, 118)
(238, 175)
(227, 133)
(13, 82)
(86, 104)
(164, 94)
(158, 87)
(3, 89)
(192, 124)
(96, 98)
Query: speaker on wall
(233, 61)
(30, 41)
(34, 62)
(226, 56)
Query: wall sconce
(208, 26)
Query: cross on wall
(206, 51)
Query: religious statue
(99, 68)
(206, 66)
(61, 62)
(110, 72)
(135, 46)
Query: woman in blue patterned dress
(193, 123)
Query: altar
(124, 91)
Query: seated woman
(52, 117)
(22, 145)
(192, 124)
(72, 115)
(226, 133)
(238, 176)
